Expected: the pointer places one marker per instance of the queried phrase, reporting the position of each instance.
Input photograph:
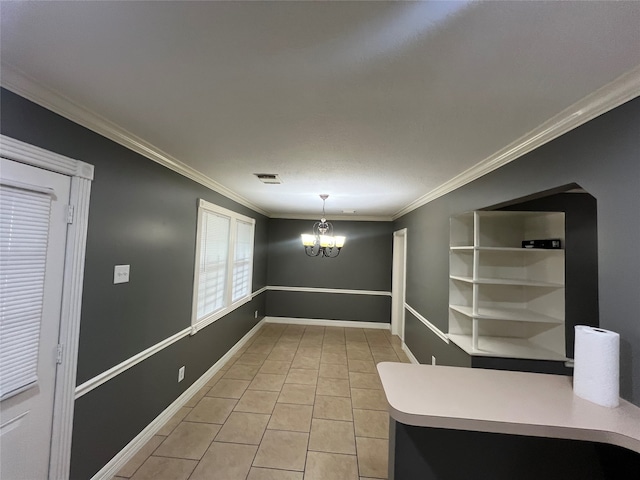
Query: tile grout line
(329, 338)
(274, 406)
(355, 438)
(221, 427)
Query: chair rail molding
(282, 288)
(443, 336)
(121, 458)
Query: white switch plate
(180, 374)
(121, 274)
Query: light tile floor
(295, 403)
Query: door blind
(24, 232)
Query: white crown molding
(610, 96)
(335, 218)
(624, 88)
(116, 463)
(443, 336)
(328, 290)
(18, 82)
(320, 322)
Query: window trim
(234, 217)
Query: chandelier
(322, 242)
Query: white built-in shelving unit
(505, 300)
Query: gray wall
(425, 346)
(603, 156)
(144, 215)
(434, 454)
(363, 264)
(329, 306)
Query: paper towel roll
(596, 371)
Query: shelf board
(522, 282)
(508, 314)
(461, 279)
(505, 347)
(468, 248)
(519, 249)
(506, 281)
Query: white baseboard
(328, 323)
(409, 353)
(122, 457)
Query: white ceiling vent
(268, 178)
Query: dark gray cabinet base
(419, 453)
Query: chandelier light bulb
(308, 240)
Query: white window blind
(24, 232)
(214, 252)
(224, 256)
(242, 265)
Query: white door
(398, 282)
(26, 405)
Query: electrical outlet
(121, 274)
(180, 374)
(433, 360)
(255, 315)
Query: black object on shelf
(549, 243)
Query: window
(224, 263)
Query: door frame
(399, 282)
(81, 175)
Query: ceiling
(374, 103)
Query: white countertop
(498, 401)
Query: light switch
(121, 274)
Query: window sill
(196, 327)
